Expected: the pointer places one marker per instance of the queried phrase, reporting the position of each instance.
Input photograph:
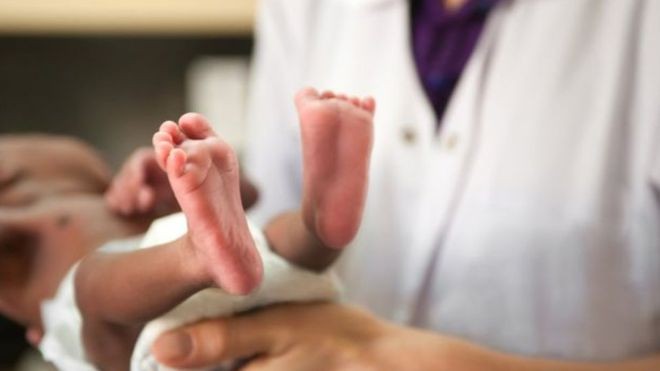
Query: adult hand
(286, 337)
(318, 337)
(329, 337)
(141, 187)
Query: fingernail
(173, 346)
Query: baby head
(34, 166)
(48, 186)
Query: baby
(35, 171)
(118, 293)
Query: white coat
(531, 222)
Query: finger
(145, 199)
(114, 200)
(126, 207)
(213, 342)
(129, 187)
(110, 197)
(123, 191)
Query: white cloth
(282, 282)
(531, 222)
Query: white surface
(171, 17)
(530, 224)
(216, 88)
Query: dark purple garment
(442, 44)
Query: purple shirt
(443, 42)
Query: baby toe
(196, 126)
(176, 162)
(171, 128)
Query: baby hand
(141, 188)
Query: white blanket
(283, 282)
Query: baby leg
(204, 175)
(337, 135)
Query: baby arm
(134, 287)
(118, 293)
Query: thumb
(212, 342)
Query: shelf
(207, 18)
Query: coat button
(409, 135)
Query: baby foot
(203, 172)
(337, 135)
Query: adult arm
(336, 337)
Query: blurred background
(110, 71)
